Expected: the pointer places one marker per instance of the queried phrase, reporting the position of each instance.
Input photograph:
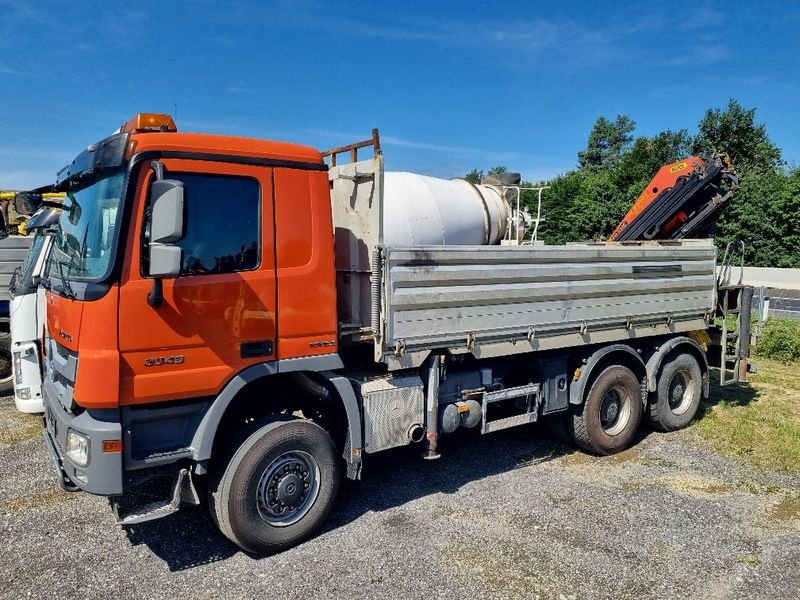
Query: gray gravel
(514, 514)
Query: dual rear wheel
(608, 419)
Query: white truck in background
(13, 250)
(27, 313)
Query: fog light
(24, 393)
(77, 448)
(17, 368)
(82, 477)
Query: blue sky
(451, 85)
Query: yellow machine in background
(14, 222)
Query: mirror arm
(158, 167)
(156, 296)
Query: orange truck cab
(228, 315)
(134, 357)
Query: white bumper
(27, 372)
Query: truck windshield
(84, 242)
(26, 273)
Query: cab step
(183, 491)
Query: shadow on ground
(392, 478)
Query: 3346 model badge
(157, 361)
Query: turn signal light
(150, 122)
(112, 445)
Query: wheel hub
(680, 393)
(615, 411)
(611, 410)
(288, 488)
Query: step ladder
(529, 391)
(734, 300)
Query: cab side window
(222, 224)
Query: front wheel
(278, 487)
(609, 417)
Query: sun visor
(107, 154)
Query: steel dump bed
(501, 300)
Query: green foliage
(608, 142)
(735, 132)
(780, 340)
(477, 175)
(765, 213)
(588, 202)
(474, 176)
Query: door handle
(252, 349)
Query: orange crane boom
(681, 201)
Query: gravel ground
(514, 514)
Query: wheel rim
(615, 411)
(288, 488)
(681, 393)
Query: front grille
(62, 369)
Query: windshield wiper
(65, 287)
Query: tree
(648, 154)
(735, 131)
(763, 214)
(475, 176)
(608, 142)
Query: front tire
(278, 487)
(609, 417)
(677, 395)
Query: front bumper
(30, 376)
(103, 475)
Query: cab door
(219, 315)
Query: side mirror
(167, 214)
(27, 203)
(166, 228)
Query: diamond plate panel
(391, 406)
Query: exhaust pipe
(416, 433)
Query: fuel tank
(422, 210)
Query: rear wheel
(677, 396)
(608, 418)
(278, 487)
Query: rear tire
(609, 417)
(557, 427)
(278, 487)
(677, 397)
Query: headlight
(17, 368)
(77, 448)
(23, 393)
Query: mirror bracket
(156, 296)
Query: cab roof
(227, 145)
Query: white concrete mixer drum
(420, 210)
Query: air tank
(419, 210)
